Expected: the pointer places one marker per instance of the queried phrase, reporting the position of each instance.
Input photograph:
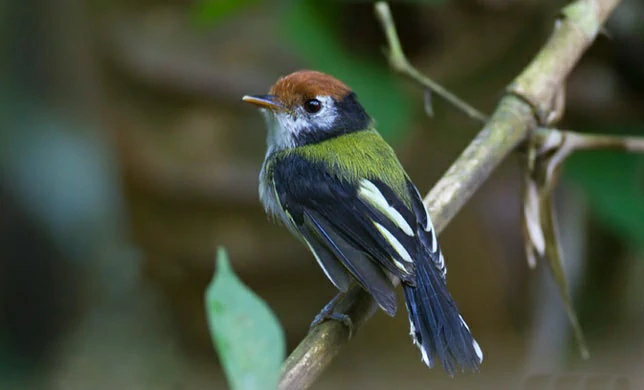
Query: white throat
(284, 127)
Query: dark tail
(436, 325)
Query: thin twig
(566, 142)
(580, 141)
(398, 61)
(510, 124)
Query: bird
(338, 186)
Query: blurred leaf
(247, 336)
(206, 12)
(309, 29)
(614, 182)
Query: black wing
(353, 229)
(426, 232)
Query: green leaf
(308, 25)
(246, 334)
(207, 12)
(614, 183)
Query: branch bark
(531, 96)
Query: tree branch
(530, 95)
(399, 63)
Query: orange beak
(263, 101)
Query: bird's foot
(329, 313)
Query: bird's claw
(329, 313)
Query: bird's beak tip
(263, 101)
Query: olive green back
(359, 155)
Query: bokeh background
(127, 157)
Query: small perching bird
(339, 187)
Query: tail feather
(437, 328)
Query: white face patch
(277, 137)
(325, 118)
(284, 127)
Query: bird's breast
(267, 194)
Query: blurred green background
(127, 158)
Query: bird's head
(307, 107)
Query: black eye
(312, 106)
